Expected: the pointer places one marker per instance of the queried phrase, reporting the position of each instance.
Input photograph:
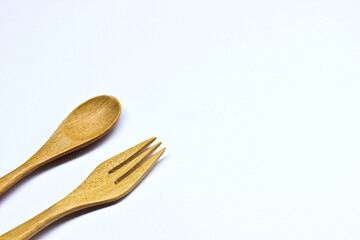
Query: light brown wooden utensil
(87, 123)
(110, 181)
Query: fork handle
(39, 222)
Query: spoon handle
(45, 154)
(12, 177)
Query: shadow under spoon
(84, 125)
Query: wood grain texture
(110, 181)
(84, 125)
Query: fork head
(119, 175)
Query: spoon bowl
(92, 119)
(85, 124)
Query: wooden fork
(110, 181)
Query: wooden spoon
(86, 124)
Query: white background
(257, 103)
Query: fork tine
(131, 166)
(132, 180)
(119, 160)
